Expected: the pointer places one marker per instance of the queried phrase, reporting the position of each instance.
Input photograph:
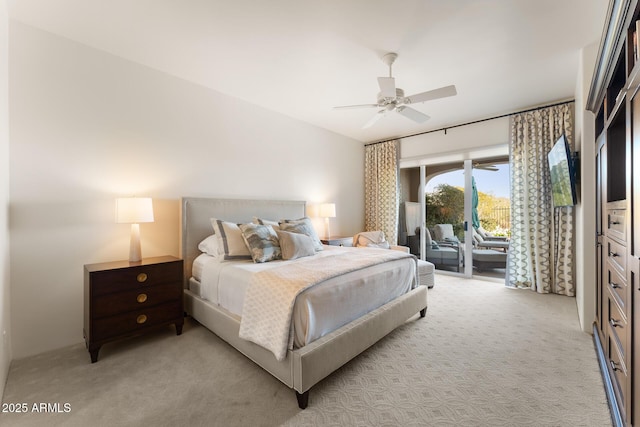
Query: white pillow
(372, 239)
(209, 245)
(295, 245)
(231, 245)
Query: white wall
(5, 312)
(486, 138)
(585, 210)
(87, 127)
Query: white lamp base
(327, 230)
(135, 253)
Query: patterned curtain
(541, 254)
(381, 180)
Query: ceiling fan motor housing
(399, 99)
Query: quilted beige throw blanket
(268, 304)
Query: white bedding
(318, 310)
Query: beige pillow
(303, 226)
(295, 245)
(231, 244)
(263, 221)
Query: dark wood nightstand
(337, 241)
(123, 299)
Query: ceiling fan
(391, 98)
(486, 166)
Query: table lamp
(327, 210)
(134, 210)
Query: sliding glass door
(465, 211)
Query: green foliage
(445, 205)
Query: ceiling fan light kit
(391, 98)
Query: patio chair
(444, 233)
(484, 259)
(491, 242)
(489, 236)
(443, 254)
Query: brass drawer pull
(141, 298)
(142, 277)
(614, 365)
(141, 319)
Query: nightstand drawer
(115, 303)
(130, 322)
(337, 241)
(137, 277)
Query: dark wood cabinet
(123, 299)
(615, 99)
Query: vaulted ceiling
(301, 58)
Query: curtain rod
(472, 123)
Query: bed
(303, 366)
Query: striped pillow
(231, 245)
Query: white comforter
(319, 309)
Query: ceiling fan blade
(374, 119)
(412, 114)
(442, 92)
(387, 86)
(346, 107)
(486, 166)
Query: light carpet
(484, 355)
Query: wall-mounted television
(563, 174)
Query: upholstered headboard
(196, 212)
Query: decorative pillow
(209, 245)
(262, 242)
(372, 239)
(295, 245)
(231, 245)
(302, 226)
(263, 221)
(382, 245)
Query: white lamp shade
(327, 210)
(134, 210)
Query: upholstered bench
(426, 273)
(376, 239)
